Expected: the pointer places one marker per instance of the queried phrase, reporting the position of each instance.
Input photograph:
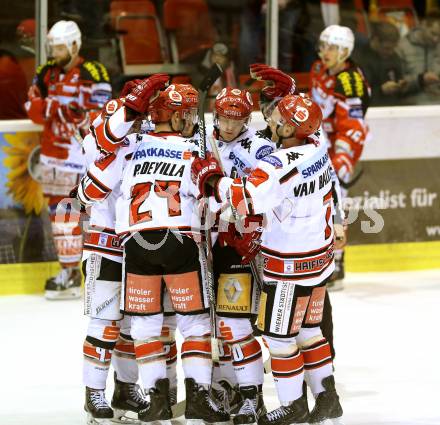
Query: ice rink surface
(387, 362)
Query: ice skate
(252, 406)
(296, 413)
(66, 285)
(336, 282)
(97, 407)
(227, 397)
(127, 402)
(327, 410)
(200, 407)
(158, 409)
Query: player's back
(157, 192)
(298, 243)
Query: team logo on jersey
(246, 144)
(273, 160)
(288, 266)
(293, 156)
(187, 155)
(263, 151)
(102, 240)
(111, 107)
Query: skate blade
(335, 421)
(98, 421)
(124, 417)
(67, 294)
(202, 422)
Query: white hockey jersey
(294, 188)
(100, 236)
(240, 156)
(156, 191)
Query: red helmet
(176, 97)
(302, 113)
(235, 104)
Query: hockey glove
(228, 237)
(129, 86)
(249, 245)
(73, 113)
(202, 170)
(279, 84)
(141, 95)
(343, 165)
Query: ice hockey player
(108, 337)
(155, 214)
(64, 93)
(339, 87)
(239, 148)
(294, 188)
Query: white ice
(386, 336)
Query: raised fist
(142, 94)
(278, 84)
(202, 170)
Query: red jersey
(63, 102)
(344, 99)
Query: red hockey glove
(74, 114)
(229, 236)
(279, 83)
(129, 86)
(250, 243)
(202, 170)
(141, 95)
(343, 165)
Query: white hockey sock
(247, 361)
(317, 364)
(97, 351)
(196, 359)
(124, 360)
(151, 360)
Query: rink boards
(393, 208)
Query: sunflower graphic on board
(21, 159)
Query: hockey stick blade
(178, 409)
(209, 79)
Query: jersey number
(163, 189)
(328, 214)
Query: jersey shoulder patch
(94, 71)
(43, 68)
(350, 83)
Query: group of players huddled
(274, 203)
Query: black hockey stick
(213, 74)
(253, 263)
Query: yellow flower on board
(22, 162)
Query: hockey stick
(253, 264)
(214, 72)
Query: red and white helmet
(302, 113)
(234, 104)
(177, 97)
